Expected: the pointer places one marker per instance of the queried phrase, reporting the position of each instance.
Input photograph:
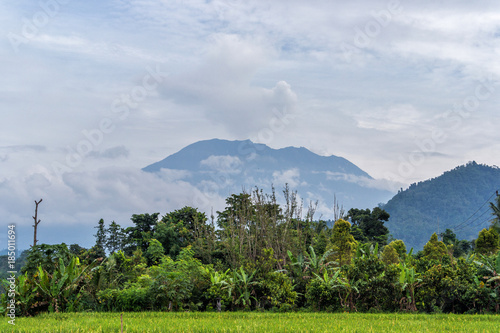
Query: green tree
(77, 250)
(487, 242)
(100, 239)
(459, 247)
(449, 237)
(118, 270)
(155, 252)
(343, 243)
(277, 290)
(47, 256)
(166, 233)
(251, 223)
(390, 255)
(139, 235)
(371, 224)
(179, 284)
(320, 242)
(435, 249)
(400, 248)
(184, 227)
(115, 237)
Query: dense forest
(259, 255)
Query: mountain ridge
(240, 148)
(455, 200)
(228, 166)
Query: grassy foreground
(253, 322)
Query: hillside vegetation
(457, 200)
(257, 255)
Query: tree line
(260, 255)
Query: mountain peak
(243, 163)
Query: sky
(93, 91)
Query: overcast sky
(92, 91)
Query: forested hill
(458, 200)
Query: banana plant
(347, 288)
(25, 294)
(328, 280)
(364, 250)
(220, 283)
(297, 265)
(314, 264)
(492, 266)
(63, 287)
(408, 280)
(243, 282)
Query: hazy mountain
(458, 199)
(227, 167)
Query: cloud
(23, 148)
(225, 163)
(290, 177)
(223, 87)
(82, 198)
(6, 152)
(111, 153)
(380, 184)
(393, 118)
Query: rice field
(253, 322)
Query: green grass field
(253, 322)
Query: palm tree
(495, 223)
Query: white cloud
(82, 198)
(222, 85)
(290, 177)
(224, 164)
(381, 184)
(393, 118)
(231, 63)
(111, 153)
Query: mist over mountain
(226, 167)
(458, 200)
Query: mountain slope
(227, 167)
(458, 200)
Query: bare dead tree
(37, 221)
(338, 210)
